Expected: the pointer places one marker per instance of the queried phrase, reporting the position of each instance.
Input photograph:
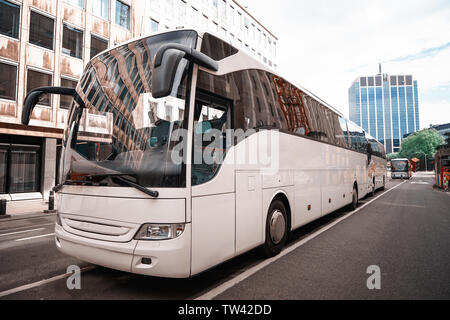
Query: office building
(385, 106)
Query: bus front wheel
(276, 229)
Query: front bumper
(169, 259)
(400, 175)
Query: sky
(324, 45)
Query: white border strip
(17, 232)
(36, 237)
(231, 283)
(39, 283)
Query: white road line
(36, 226)
(232, 282)
(39, 283)
(17, 232)
(35, 237)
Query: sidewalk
(24, 208)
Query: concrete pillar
(49, 166)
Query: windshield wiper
(58, 187)
(119, 177)
(154, 194)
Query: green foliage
(424, 141)
(392, 156)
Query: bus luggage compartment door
(249, 224)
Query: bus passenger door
(213, 185)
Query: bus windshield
(400, 166)
(116, 128)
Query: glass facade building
(387, 107)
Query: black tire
(276, 229)
(384, 184)
(354, 203)
(372, 193)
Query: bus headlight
(158, 232)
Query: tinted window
(41, 30)
(378, 81)
(363, 82)
(9, 19)
(216, 48)
(66, 100)
(8, 74)
(97, 45)
(38, 79)
(393, 80)
(72, 42)
(357, 138)
(343, 124)
(264, 101)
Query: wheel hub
(277, 227)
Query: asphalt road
(404, 232)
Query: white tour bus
(161, 171)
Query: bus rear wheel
(276, 229)
(354, 203)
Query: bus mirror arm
(33, 96)
(166, 62)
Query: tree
(392, 156)
(420, 143)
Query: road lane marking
(35, 237)
(239, 278)
(401, 205)
(35, 226)
(17, 232)
(40, 283)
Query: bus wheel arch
(279, 212)
(355, 196)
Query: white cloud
(325, 45)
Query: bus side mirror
(33, 96)
(166, 62)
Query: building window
(20, 165)
(363, 82)
(64, 102)
(41, 30)
(72, 42)
(97, 45)
(100, 8)
(37, 79)
(8, 75)
(154, 25)
(393, 80)
(9, 19)
(77, 3)
(122, 14)
(409, 80)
